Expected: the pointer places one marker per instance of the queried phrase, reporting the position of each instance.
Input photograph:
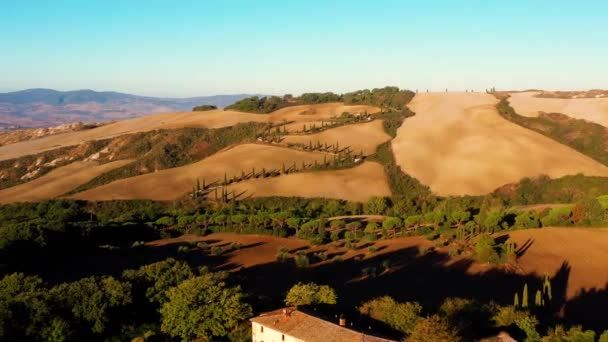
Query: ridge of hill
(48, 107)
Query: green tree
(400, 316)
(574, 334)
(538, 298)
(155, 279)
(375, 206)
(93, 300)
(603, 337)
(166, 221)
(524, 297)
(203, 307)
(485, 249)
(433, 329)
(310, 293)
(24, 307)
(493, 220)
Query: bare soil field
(584, 250)
(172, 183)
(590, 109)
(355, 184)
(582, 253)
(360, 137)
(208, 119)
(263, 248)
(58, 181)
(458, 144)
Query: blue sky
(187, 48)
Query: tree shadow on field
(427, 279)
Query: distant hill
(47, 107)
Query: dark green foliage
(255, 104)
(155, 279)
(203, 307)
(400, 316)
(387, 98)
(310, 293)
(203, 108)
(92, 301)
(542, 189)
(400, 182)
(268, 104)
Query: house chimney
(342, 322)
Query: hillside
(458, 144)
(58, 181)
(207, 119)
(173, 183)
(47, 107)
(593, 109)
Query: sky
(191, 48)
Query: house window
(261, 329)
(282, 337)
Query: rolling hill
(458, 144)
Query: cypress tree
(547, 287)
(198, 184)
(524, 297)
(516, 300)
(225, 178)
(204, 185)
(538, 300)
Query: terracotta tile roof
(309, 328)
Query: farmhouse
(295, 325)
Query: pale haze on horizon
(191, 48)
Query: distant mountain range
(47, 107)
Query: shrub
(386, 264)
(310, 293)
(433, 329)
(485, 250)
(216, 250)
(372, 249)
(321, 256)
(137, 244)
(400, 316)
(301, 259)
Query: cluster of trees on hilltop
(387, 98)
(203, 108)
(267, 104)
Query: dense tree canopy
(310, 293)
(203, 307)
